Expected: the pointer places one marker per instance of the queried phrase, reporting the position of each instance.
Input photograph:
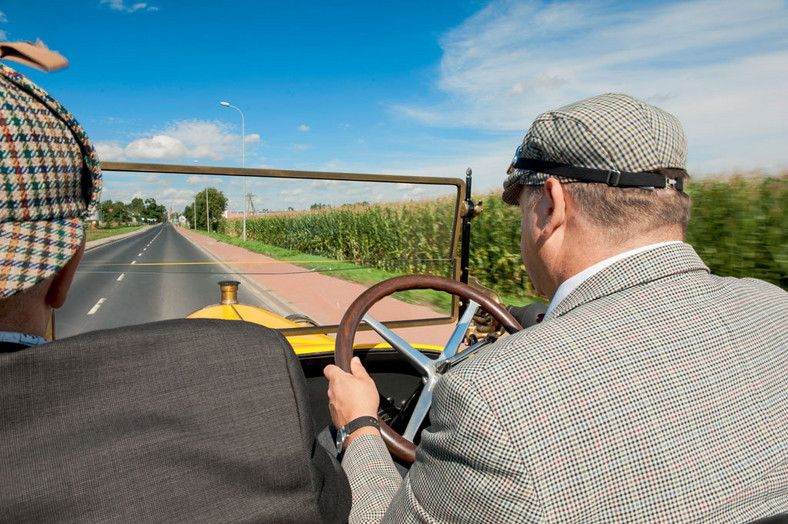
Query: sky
(425, 87)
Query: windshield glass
(315, 241)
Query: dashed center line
(97, 306)
(140, 254)
(133, 262)
(121, 276)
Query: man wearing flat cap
(651, 391)
(51, 180)
(144, 423)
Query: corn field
(738, 226)
(412, 237)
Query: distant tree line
(139, 210)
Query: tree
(153, 212)
(217, 203)
(114, 212)
(137, 206)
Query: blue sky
(412, 87)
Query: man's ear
(554, 210)
(61, 283)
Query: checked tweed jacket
(655, 391)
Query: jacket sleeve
(466, 469)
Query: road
(154, 275)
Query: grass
(337, 268)
(95, 234)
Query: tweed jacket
(654, 391)
(175, 421)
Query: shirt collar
(23, 339)
(573, 282)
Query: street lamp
(243, 155)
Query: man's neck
(574, 281)
(25, 316)
(587, 248)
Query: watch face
(340, 440)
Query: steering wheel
(401, 446)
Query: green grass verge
(352, 272)
(95, 234)
(344, 270)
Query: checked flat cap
(51, 180)
(613, 138)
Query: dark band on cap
(609, 177)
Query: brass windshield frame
(457, 183)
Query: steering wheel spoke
(411, 354)
(420, 411)
(453, 344)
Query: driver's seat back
(185, 420)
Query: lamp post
(243, 155)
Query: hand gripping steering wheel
(401, 446)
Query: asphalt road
(114, 285)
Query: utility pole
(207, 215)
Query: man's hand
(351, 395)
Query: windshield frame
(457, 183)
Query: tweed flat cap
(612, 138)
(51, 180)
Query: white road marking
(121, 276)
(140, 254)
(98, 305)
(133, 262)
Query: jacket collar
(637, 269)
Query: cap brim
(511, 192)
(33, 251)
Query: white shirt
(23, 339)
(571, 283)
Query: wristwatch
(344, 432)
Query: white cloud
(181, 140)
(159, 147)
(301, 147)
(109, 150)
(721, 69)
(176, 198)
(120, 5)
(3, 19)
(303, 128)
(202, 180)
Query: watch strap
(345, 431)
(360, 422)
